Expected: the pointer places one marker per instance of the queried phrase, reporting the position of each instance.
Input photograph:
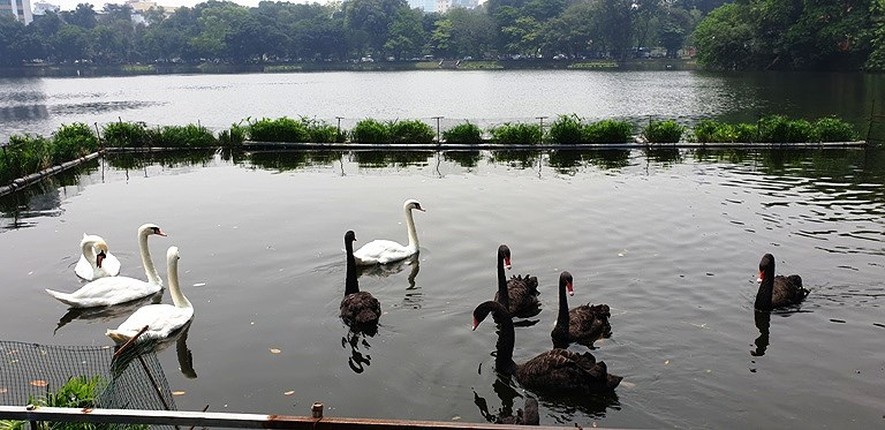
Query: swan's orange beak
(99, 258)
(507, 263)
(761, 277)
(161, 233)
(570, 289)
(475, 324)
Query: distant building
(18, 9)
(41, 7)
(442, 6)
(141, 6)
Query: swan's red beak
(99, 258)
(761, 277)
(507, 263)
(161, 233)
(475, 324)
(570, 289)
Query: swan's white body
(87, 267)
(161, 319)
(382, 251)
(118, 289)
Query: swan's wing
(161, 319)
(83, 269)
(111, 265)
(107, 291)
(382, 251)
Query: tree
(573, 33)
(11, 34)
(82, 16)
(407, 36)
(71, 44)
(369, 22)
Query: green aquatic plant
(780, 129)
(125, 134)
(73, 141)
(411, 131)
(177, 136)
(370, 131)
(567, 130)
(516, 134)
(283, 129)
(832, 129)
(465, 133)
(608, 131)
(667, 131)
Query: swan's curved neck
(88, 248)
(149, 270)
(413, 234)
(174, 289)
(560, 330)
(506, 338)
(766, 289)
(351, 283)
(503, 296)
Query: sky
(99, 4)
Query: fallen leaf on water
(289, 393)
(178, 393)
(666, 362)
(200, 284)
(627, 384)
(456, 418)
(39, 383)
(275, 350)
(3, 390)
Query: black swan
(584, 324)
(520, 294)
(359, 309)
(558, 371)
(777, 291)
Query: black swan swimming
(557, 371)
(520, 294)
(777, 291)
(359, 309)
(584, 324)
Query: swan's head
(349, 237)
(766, 267)
(412, 204)
(172, 254)
(565, 280)
(504, 254)
(101, 252)
(149, 229)
(486, 308)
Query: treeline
(794, 35)
(224, 32)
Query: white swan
(161, 319)
(95, 260)
(382, 251)
(118, 289)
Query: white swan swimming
(118, 289)
(161, 319)
(89, 267)
(382, 251)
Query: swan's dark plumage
(359, 309)
(521, 298)
(584, 324)
(777, 291)
(559, 370)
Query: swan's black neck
(351, 284)
(766, 289)
(503, 295)
(506, 335)
(560, 330)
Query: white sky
(99, 4)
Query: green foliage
(25, 155)
(778, 128)
(567, 130)
(321, 132)
(710, 131)
(279, 130)
(370, 131)
(73, 141)
(465, 133)
(175, 136)
(516, 134)
(234, 136)
(832, 129)
(411, 131)
(668, 131)
(125, 134)
(608, 131)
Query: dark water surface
(41, 105)
(671, 240)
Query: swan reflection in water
(358, 361)
(106, 313)
(528, 415)
(763, 323)
(182, 352)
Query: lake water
(670, 240)
(40, 106)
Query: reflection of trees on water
(293, 159)
(391, 158)
(171, 158)
(565, 162)
(608, 158)
(664, 155)
(41, 199)
(466, 159)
